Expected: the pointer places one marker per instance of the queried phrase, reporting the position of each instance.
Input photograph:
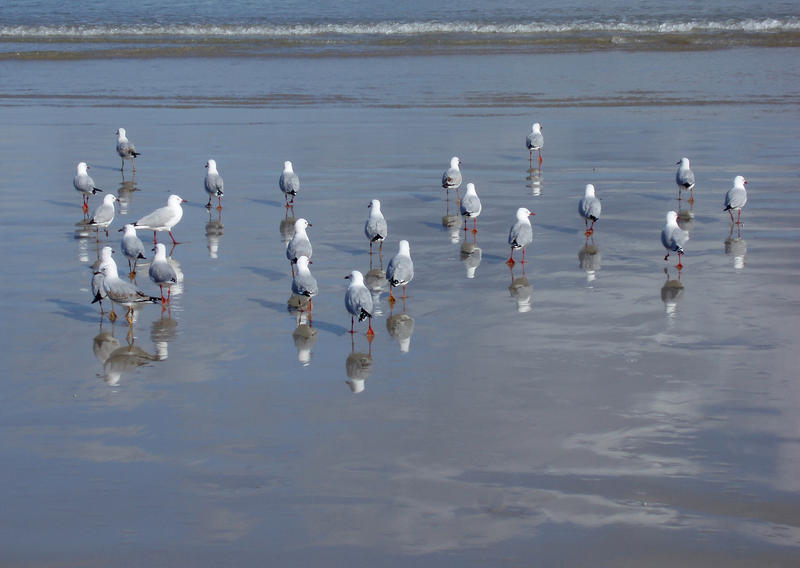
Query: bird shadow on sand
(557, 228)
(320, 325)
(74, 311)
(424, 197)
(269, 202)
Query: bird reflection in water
(451, 220)
(214, 232)
(521, 290)
(163, 330)
(671, 294)
(304, 337)
(287, 225)
(358, 366)
(401, 327)
(376, 283)
(534, 179)
(589, 259)
(125, 194)
(471, 255)
(118, 359)
(736, 247)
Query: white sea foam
(400, 29)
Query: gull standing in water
(589, 208)
(163, 218)
(84, 184)
(673, 237)
(121, 292)
(98, 294)
(451, 178)
(162, 272)
(303, 283)
(126, 150)
(132, 247)
(736, 198)
(684, 177)
(300, 244)
(471, 207)
(535, 141)
(289, 183)
(104, 213)
(521, 233)
(400, 270)
(358, 301)
(375, 227)
(213, 183)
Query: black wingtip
(141, 256)
(97, 298)
(95, 190)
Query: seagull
(132, 247)
(673, 237)
(589, 208)
(162, 272)
(684, 177)
(163, 218)
(98, 294)
(358, 301)
(535, 141)
(84, 184)
(736, 198)
(471, 207)
(121, 292)
(304, 284)
(521, 233)
(126, 149)
(400, 270)
(104, 213)
(289, 183)
(299, 245)
(213, 183)
(375, 227)
(451, 178)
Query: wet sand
(646, 416)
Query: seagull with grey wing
(736, 198)
(535, 141)
(303, 283)
(673, 237)
(375, 228)
(213, 184)
(162, 273)
(400, 270)
(84, 184)
(470, 207)
(126, 150)
(589, 208)
(358, 301)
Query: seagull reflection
(125, 195)
(304, 337)
(686, 216)
(534, 179)
(104, 344)
(163, 330)
(214, 231)
(589, 258)
(287, 226)
(451, 219)
(671, 294)
(358, 366)
(736, 247)
(376, 283)
(471, 255)
(123, 359)
(521, 290)
(401, 327)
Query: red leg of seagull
(219, 200)
(174, 242)
(154, 238)
(161, 289)
(730, 212)
(475, 225)
(739, 217)
(679, 266)
(352, 331)
(510, 260)
(523, 255)
(370, 333)
(540, 157)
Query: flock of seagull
(106, 282)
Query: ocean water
(594, 406)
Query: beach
(594, 406)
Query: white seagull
(673, 237)
(162, 272)
(589, 208)
(300, 244)
(289, 183)
(126, 149)
(121, 292)
(358, 301)
(535, 141)
(303, 283)
(400, 270)
(132, 247)
(104, 213)
(451, 178)
(84, 184)
(521, 233)
(736, 198)
(375, 228)
(470, 207)
(163, 218)
(213, 184)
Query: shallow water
(640, 417)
